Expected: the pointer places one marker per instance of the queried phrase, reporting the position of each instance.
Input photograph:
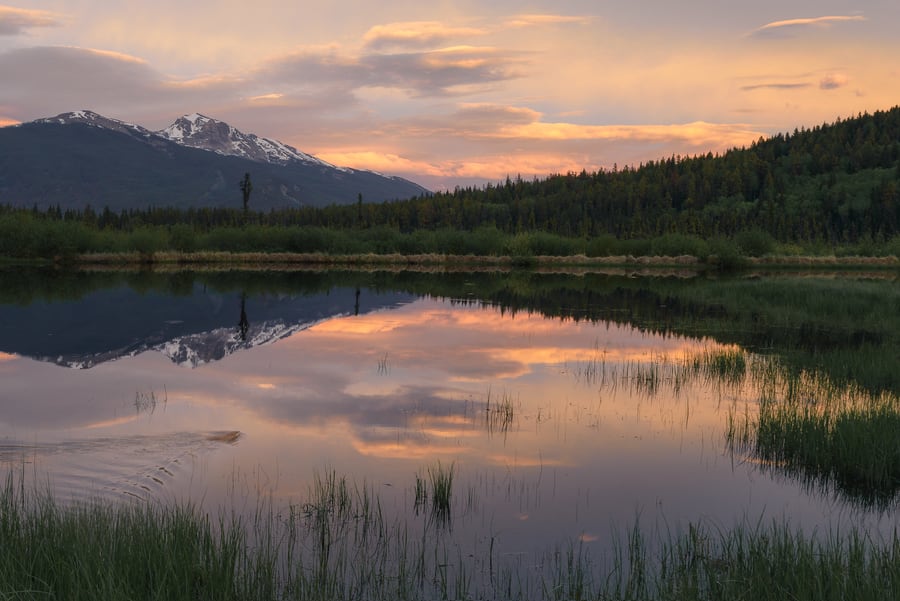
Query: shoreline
(480, 261)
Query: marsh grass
(441, 479)
(832, 436)
(339, 545)
(499, 413)
(96, 551)
(658, 373)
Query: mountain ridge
(83, 158)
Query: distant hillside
(837, 182)
(81, 158)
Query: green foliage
(182, 238)
(725, 255)
(635, 247)
(754, 242)
(673, 245)
(148, 241)
(602, 245)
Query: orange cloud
(827, 21)
(14, 21)
(812, 21)
(384, 162)
(531, 20)
(416, 33)
(698, 132)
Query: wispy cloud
(545, 19)
(833, 81)
(775, 86)
(416, 34)
(790, 26)
(15, 21)
(426, 73)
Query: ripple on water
(112, 468)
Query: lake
(567, 408)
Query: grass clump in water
(838, 437)
(499, 413)
(441, 478)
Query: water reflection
(557, 428)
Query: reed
(834, 437)
(499, 413)
(441, 478)
(339, 545)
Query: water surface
(564, 417)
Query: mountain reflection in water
(559, 428)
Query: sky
(457, 93)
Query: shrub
(754, 243)
(725, 255)
(147, 241)
(307, 240)
(450, 242)
(637, 247)
(552, 245)
(486, 241)
(604, 245)
(673, 245)
(182, 238)
(892, 246)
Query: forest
(834, 188)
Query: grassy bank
(338, 545)
(584, 263)
(29, 236)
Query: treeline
(836, 185)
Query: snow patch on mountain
(96, 120)
(197, 349)
(199, 131)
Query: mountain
(193, 328)
(205, 133)
(80, 158)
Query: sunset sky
(451, 93)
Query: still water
(560, 425)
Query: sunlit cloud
(266, 97)
(832, 81)
(697, 133)
(15, 21)
(546, 19)
(416, 34)
(785, 27)
(382, 162)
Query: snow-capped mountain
(92, 118)
(83, 158)
(199, 131)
